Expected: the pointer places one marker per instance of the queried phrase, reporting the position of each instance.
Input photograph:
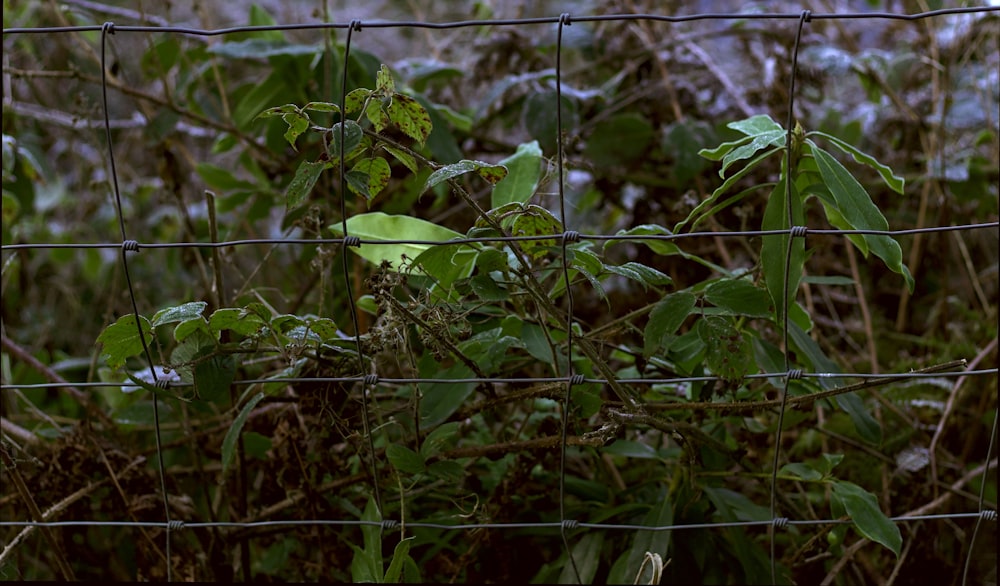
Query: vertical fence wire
(369, 383)
(349, 240)
(130, 245)
(786, 297)
(567, 237)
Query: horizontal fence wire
(797, 231)
(570, 379)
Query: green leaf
(189, 327)
(121, 340)
(857, 208)
(802, 471)
(631, 449)
(619, 140)
(739, 297)
(587, 555)
(376, 115)
(639, 272)
(864, 422)
(366, 566)
(524, 169)
(184, 312)
(237, 320)
(729, 354)
(862, 507)
(534, 220)
(445, 264)
(356, 99)
(403, 157)
(384, 82)
(410, 117)
(213, 377)
(893, 181)
(381, 226)
(758, 142)
(297, 122)
(659, 246)
(376, 176)
(352, 138)
(491, 173)
(229, 442)
(660, 515)
(399, 556)
(487, 289)
(441, 400)
(441, 438)
(664, 319)
(774, 248)
(756, 125)
(680, 143)
(322, 107)
(302, 184)
(404, 459)
(538, 116)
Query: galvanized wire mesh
(567, 379)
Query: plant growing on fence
(493, 308)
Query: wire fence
(624, 411)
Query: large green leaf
(729, 354)
(857, 208)
(121, 341)
(739, 297)
(375, 226)
(665, 318)
(213, 377)
(411, 117)
(404, 459)
(524, 169)
(440, 400)
(862, 507)
(374, 177)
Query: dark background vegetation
(641, 99)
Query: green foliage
(423, 171)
